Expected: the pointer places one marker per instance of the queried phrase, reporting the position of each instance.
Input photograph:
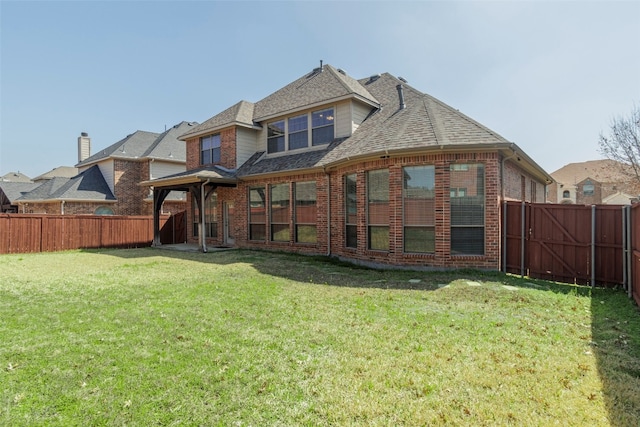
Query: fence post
(593, 245)
(628, 255)
(522, 236)
(625, 278)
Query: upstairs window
(566, 194)
(322, 126)
(587, 188)
(210, 149)
(293, 133)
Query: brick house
(107, 183)
(593, 182)
(372, 171)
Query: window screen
(378, 209)
(280, 213)
(305, 225)
(351, 211)
(419, 209)
(467, 211)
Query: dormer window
(210, 149)
(293, 133)
(566, 194)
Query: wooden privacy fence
(21, 233)
(595, 245)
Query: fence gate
(567, 243)
(174, 229)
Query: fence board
(21, 233)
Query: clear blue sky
(548, 75)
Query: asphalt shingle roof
(15, 190)
(240, 113)
(88, 185)
(167, 145)
(132, 146)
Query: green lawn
(147, 337)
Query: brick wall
(335, 236)
(227, 150)
(519, 185)
(130, 196)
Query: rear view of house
(371, 170)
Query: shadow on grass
(615, 330)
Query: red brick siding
(129, 195)
(513, 185)
(227, 150)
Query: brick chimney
(84, 146)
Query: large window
(280, 213)
(419, 209)
(467, 212)
(210, 149)
(257, 214)
(378, 209)
(293, 133)
(210, 216)
(305, 225)
(351, 211)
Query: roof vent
(373, 78)
(402, 79)
(84, 134)
(401, 96)
(341, 71)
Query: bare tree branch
(623, 142)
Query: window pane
(275, 137)
(297, 124)
(419, 239)
(215, 155)
(419, 195)
(379, 238)
(280, 232)
(305, 202)
(205, 159)
(280, 204)
(467, 209)
(322, 125)
(351, 199)
(352, 236)
(257, 217)
(306, 234)
(322, 118)
(323, 135)
(298, 140)
(378, 197)
(257, 232)
(467, 241)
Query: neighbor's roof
(132, 146)
(167, 146)
(60, 171)
(14, 177)
(600, 170)
(15, 190)
(88, 185)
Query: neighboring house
(593, 182)
(15, 177)
(10, 192)
(371, 170)
(107, 183)
(59, 172)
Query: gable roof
(321, 86)
(240, 114)
(599, 170)
(167, 146)
(88, 185)
(132, 146)
(60, 171)
(14, 177)
(15, 190)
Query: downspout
(328, 213)
(203, 231)
(62, 207)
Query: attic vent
(373, 78)
(341, 71)
(85, 134)
(402, 79)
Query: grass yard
(147, 337)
